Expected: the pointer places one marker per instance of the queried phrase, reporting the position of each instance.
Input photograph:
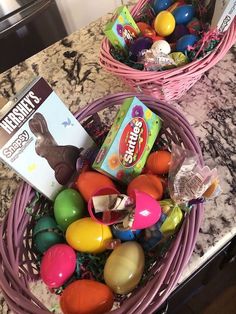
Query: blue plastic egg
(124, 235)
(184, 14)
(185, 41)
(160, 5)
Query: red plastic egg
(86, 297)
(146, 29)
(159, 162)
(90, 181)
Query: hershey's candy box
(41, 139)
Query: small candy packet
(156, 62)
(187, 179)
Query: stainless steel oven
(26, 27)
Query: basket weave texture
(168, 84)
(18, 262)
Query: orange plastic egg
(90, 181)
(86, 297)
(159, 162)
(147, 183)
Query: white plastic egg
(160, 46)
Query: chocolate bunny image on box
(61, 158)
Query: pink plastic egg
(58, 264)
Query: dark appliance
(27, 27)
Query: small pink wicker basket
(169, 84)
(19, 263)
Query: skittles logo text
(133, 142)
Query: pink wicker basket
(169, 84)
(18, 262)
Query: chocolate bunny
(61, 158)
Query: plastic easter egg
(141, 43)
(147, 210)
(90, 181)
(115, 216)
(87, 235)
(46, 233)
(185, 41)
(86, 297)
(147, 183)
(179, 58)
(180, 30)
(57, 265)
(124, 235)
(194, 26)
(161, 5)
(68, 207)
(184, 14)
(160, 46)
(159, 162)
(124, 267)
(164, 23)
(146, 30)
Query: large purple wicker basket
(18, 262)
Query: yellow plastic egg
(124, 267)
(164, 23)
(87, 235)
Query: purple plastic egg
(180, 31)
(138, 45)
(58, 264)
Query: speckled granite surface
(71, 68)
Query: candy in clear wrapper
(156, 62)
(187, 179)
(179, 58)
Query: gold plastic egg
(124, 267)
(87, 235)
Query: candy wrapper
(156, 62)
(188, 180)
(168, 224)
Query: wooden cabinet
(205, 285)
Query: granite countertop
(71, 67)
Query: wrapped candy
(187, 179)
(156, 62)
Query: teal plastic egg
(46, 233)
(68, 207)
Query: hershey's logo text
(19, 112)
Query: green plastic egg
(46, 233)
(68, 207)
